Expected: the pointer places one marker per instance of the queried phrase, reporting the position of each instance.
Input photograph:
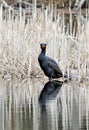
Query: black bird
(48, 65)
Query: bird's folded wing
(55, 67)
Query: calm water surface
(34, 105)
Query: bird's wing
(54, 65)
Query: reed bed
(20, 38)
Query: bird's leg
(50, 78)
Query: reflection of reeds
(19, 105)
(20, 38)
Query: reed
(20, 37)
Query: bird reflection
(49, 92)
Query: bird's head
(43, 45)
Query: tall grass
(20, 38)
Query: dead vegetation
(20, 37)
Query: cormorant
(48, 65)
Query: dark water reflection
(49, 92)
(30, 105)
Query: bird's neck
(43, 51)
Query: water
(35, 105)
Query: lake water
(35, 105)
